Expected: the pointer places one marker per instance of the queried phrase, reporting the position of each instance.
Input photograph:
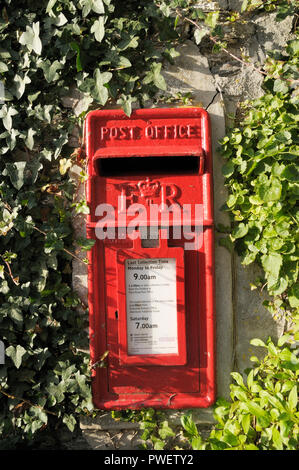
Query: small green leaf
(238, 378)
(291, 173)
(30, 140)
(20, 84)
(16, 354)
(6, 114)
(98, 29)
(240, 231)
(70, 421)
(258, 342)
(76, 48)
(244, 6)
(196, 443)
(126, 103)
(293, 47)
(31, 39)
(128, 42)
(294, 296)
(293, 398)
(51, 70)
(212, 18)
(158, 444)
(15, 314)
(258, 411)
(189, 425)
(270, 190)
(3, 67)
(228, 169)
(246, 423)
(158, 78)
(85, 243)
(50, 5)
(16, 173)
(277, 439)
(280, 86)
(199, 34)
(91, 5)
(165, 431)
(64, 165)
(100, 91)
(154, 76)
(272, 264)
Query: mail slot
(151, 269)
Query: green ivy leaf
(212, 18)
(91, 5)
(50, 5)
(199, 34)
(51, 70)
(154, 76)
(85, 243)
(30, 140)
(20, 84)
(16, 354)
(70, 421)
(98, 29)
(16, 173)
(128, 42)
(15, 314)
(126, 102)
(3, 67)
(100, 92)
(31, 39)
(272, 264)
(6, 113)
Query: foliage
(264, 413)
(284, 8)
(109, 51)
(156, 429)
(112, 52)
(262, 176)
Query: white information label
(151, 306)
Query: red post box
(151, 270)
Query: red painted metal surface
(155, 158)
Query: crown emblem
(149, 189)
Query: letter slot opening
(120, 166)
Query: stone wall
(218, 83)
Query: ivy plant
(283, 8)
(99, 52)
